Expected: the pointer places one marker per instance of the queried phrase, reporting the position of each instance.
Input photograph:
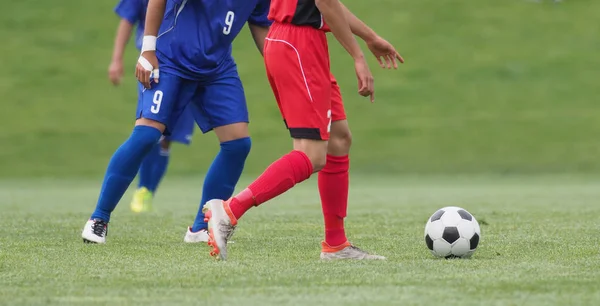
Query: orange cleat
(221, 226)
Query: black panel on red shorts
(296, 12)
(307, 13)
(304, 133)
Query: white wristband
(148, 43)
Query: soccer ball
(452, 232)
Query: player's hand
(386, 54)
(366, 86)
(146, 69)
(115, 72)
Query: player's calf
(223, 175)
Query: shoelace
(227, 229)
(99, 228)
(357, 249)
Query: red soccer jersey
(297, 12)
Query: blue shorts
(212, 103)
(183, 129)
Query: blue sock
(223, 175)
(122, 168)
(154, 168)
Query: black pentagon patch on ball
(474, 241)
(438, 215)
(429, 242)
(465, 215)
(451, 234)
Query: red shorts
(297, 63)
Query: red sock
(279, 177)
(333, 188)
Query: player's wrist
(358, 57)
(370, 37)
(149, 43)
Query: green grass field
(488, 87)
(496, 110)
(539, 247)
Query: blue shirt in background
(134, 11)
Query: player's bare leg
(315, 150)
(333, 189)
(232, 131)
(151, 123)
(222, 175)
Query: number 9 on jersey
(228, 22)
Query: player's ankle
(197, 228)
(327, 248)
(235, 209)
(335, 237)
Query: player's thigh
(338, 111)
(183, 127)
(222, 106)
(158, 102)
(299, 77)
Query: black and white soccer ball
(452, 232)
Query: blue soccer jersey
(134, 11)
(197, 70)
(196, 35)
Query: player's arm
(334, 15)
(358, 27)
(333, 12)
(115, 70)
(259, 33)
(259, 24)
(382, 49)
(148, 63)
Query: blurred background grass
(489, 87)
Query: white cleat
(346, 251)
(95, 231)
(195, 237)
(221, 225)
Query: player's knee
(318, 161)
(319, 164)
(145, 136)
(340, 138)
(315, 150)
(238, 147)
(341, 141)
(232, 132)
(150, 123)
